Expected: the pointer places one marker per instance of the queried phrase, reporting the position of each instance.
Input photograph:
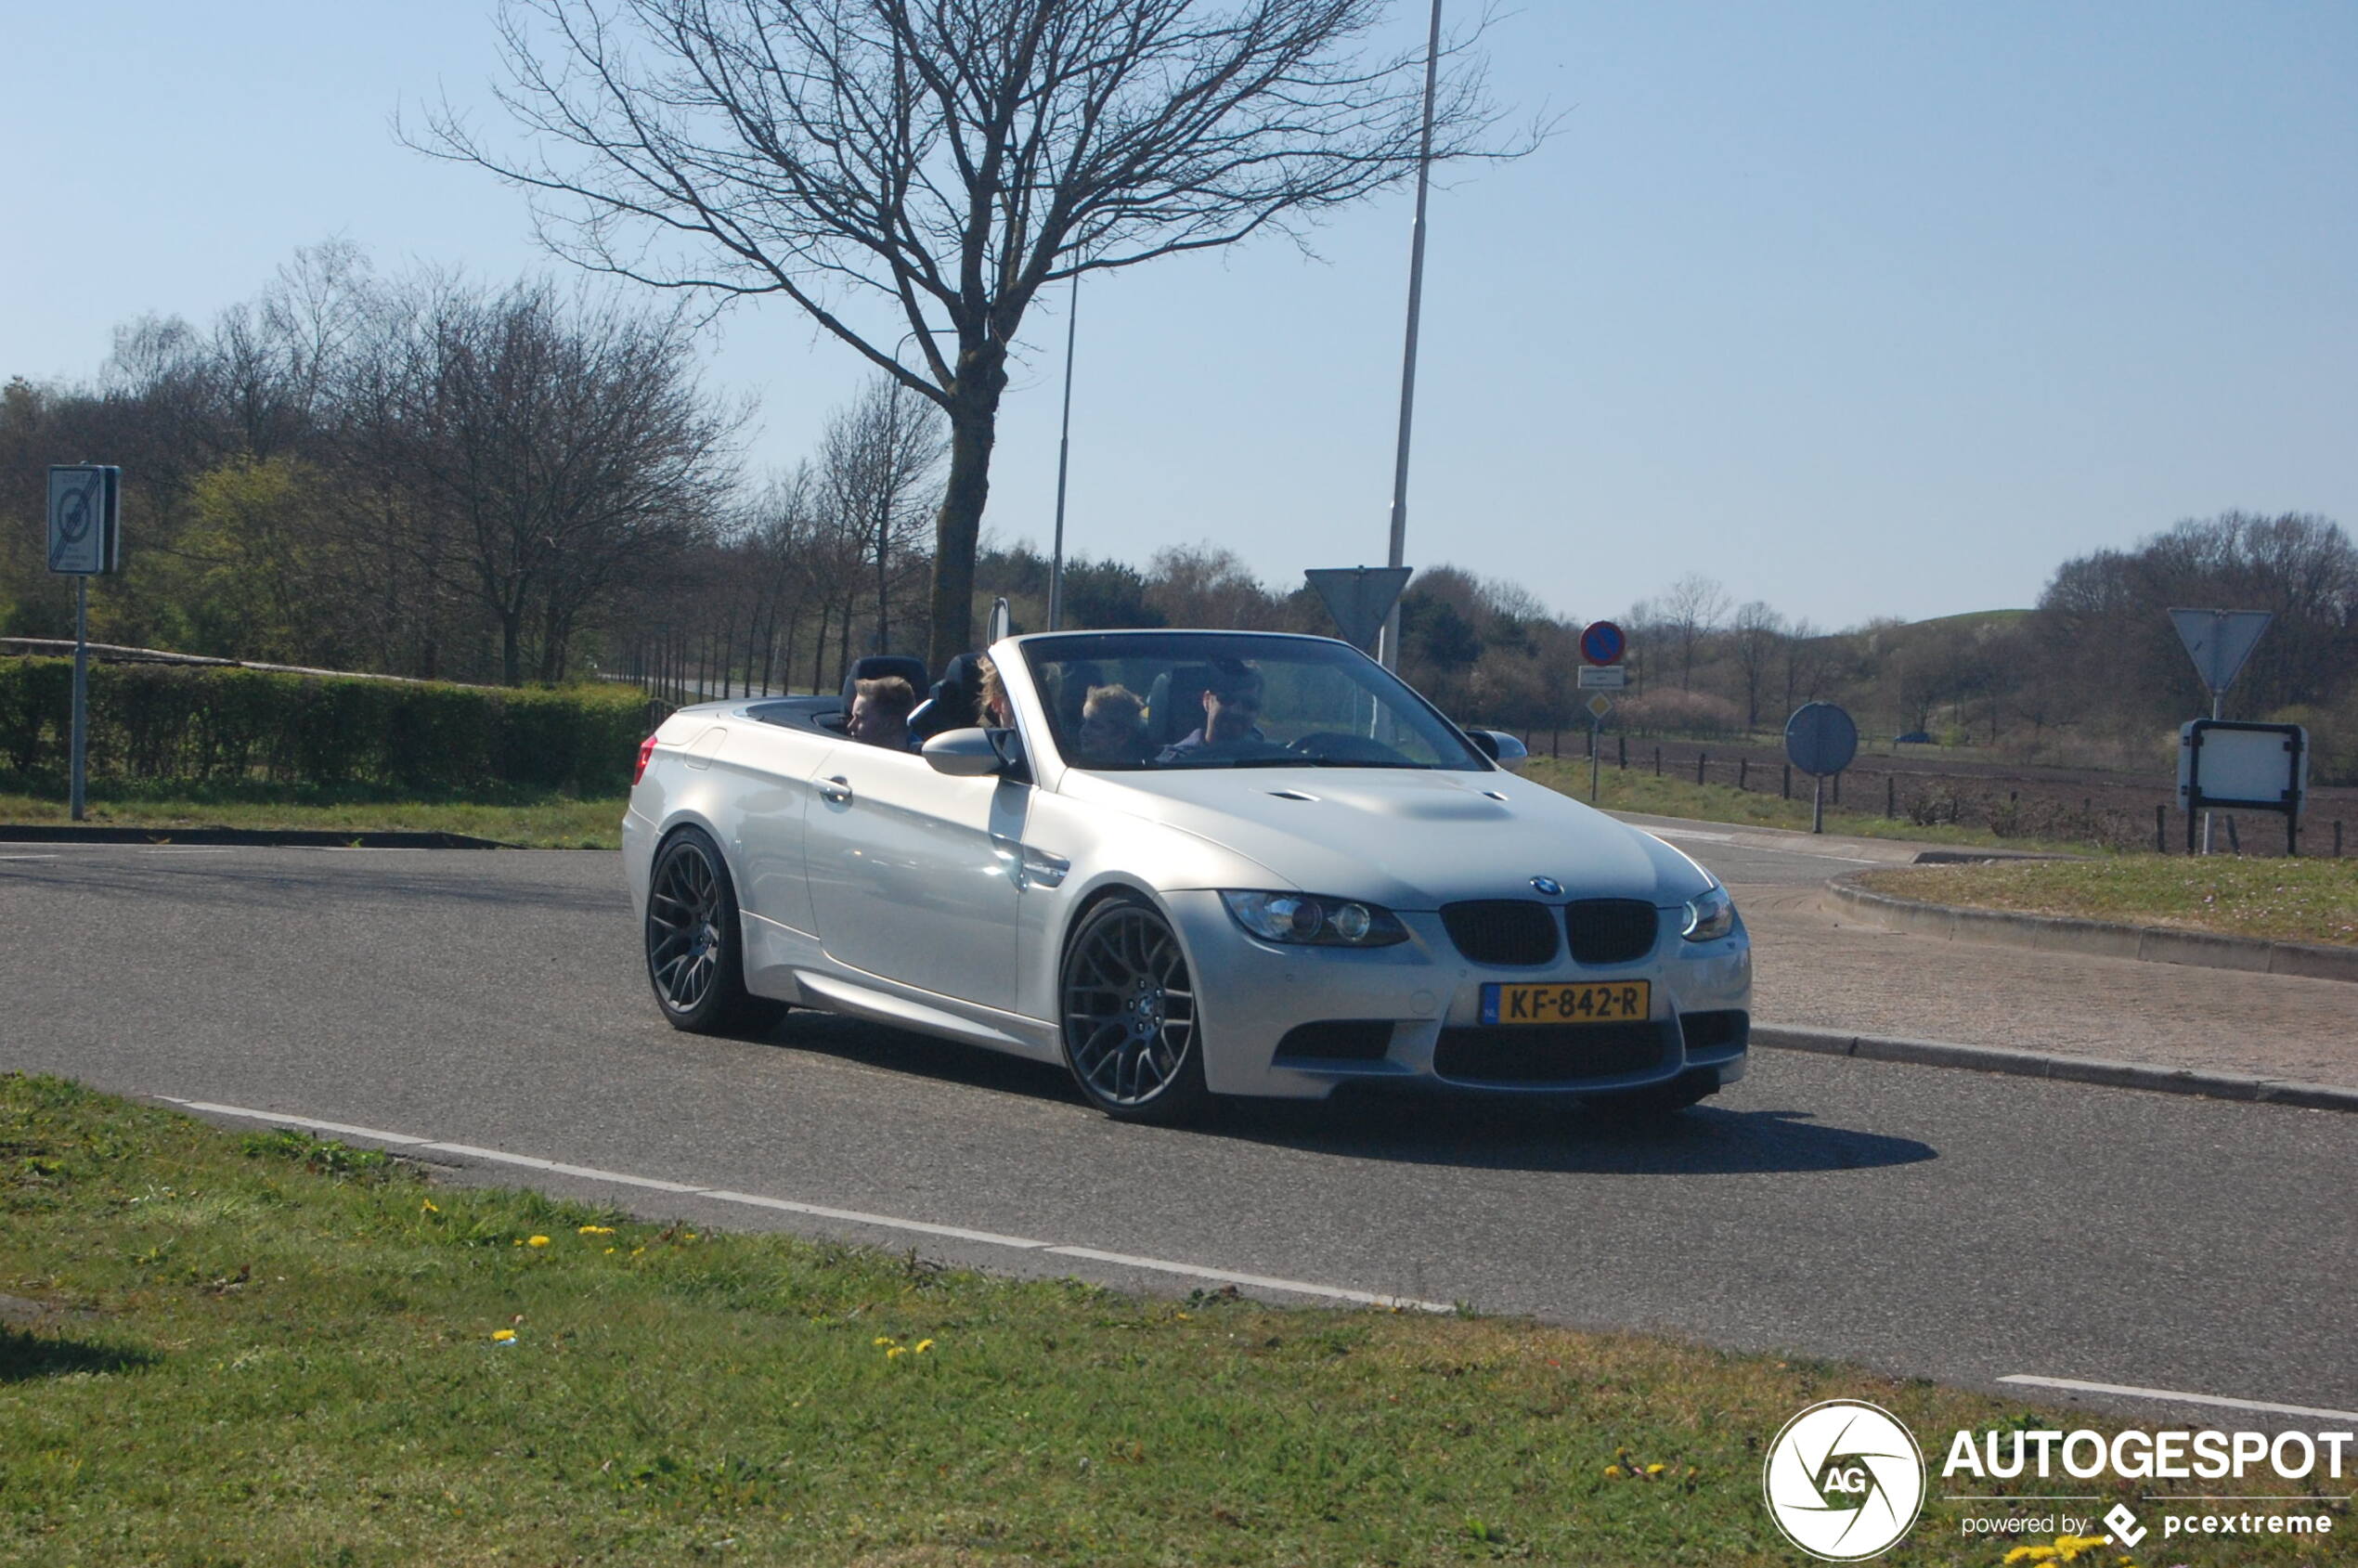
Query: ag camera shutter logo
(1843, 1480)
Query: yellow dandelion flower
(595, 1230)
(897, 1350)
(1655, 1469)
(501, 1335)
(536, 1241)
(1613, 1471)
(428, 1208)
(609, 1251)
(923, 1345)
(881, 1341)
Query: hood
(1409, 840)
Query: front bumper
(1295, 1022)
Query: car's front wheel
(1130, 1028)
(695, 942)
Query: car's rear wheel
(1130, 1029)
(695, 942)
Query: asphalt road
(1940, 1224)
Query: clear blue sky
(1862, 309)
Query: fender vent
(1517, 931)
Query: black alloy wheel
(695, 944)
(1130, 1029)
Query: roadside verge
(2070, 1070)
(2099, 939)
(255, 837)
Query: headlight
(1314, 920)
(1710, 916)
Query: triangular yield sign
(1359, 596)
(2219, 640)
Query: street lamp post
(1390, 648)
(1064, 452)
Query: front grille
(1549, 1053)
(1610, 930)
(1339, 1039)
(1716, 1031)
(1502, 931)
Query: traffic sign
(85, 537)
(2219, 640)
(1600, 706)
(1601, 642)
(1820, 739)
(1601, 677)
(1358, 597)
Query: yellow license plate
(1610, 1002)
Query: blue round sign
(1820, 739)
(1602, 643)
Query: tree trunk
(512, 647)
(974, 426)
(819, 650)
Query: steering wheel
(1337, 745)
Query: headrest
(955, 702)
(875, 667)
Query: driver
(880, 712)
(1231, 711)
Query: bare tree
(565, 448)
(947, 159)
(1758, 630)
(1691, 610)
(879, 457)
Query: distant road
(1933, 1222)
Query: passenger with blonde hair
(1113, 727)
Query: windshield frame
(1194, 645)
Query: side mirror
(1501, 748)
(966, 753)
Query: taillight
(646, 749)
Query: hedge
(212, 723)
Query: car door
(914, 875)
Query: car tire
(1130, 1029)
(694, 941)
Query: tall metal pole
(1064, 453)
(1390, 654)
(80, 690)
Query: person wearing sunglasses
(1231, 711)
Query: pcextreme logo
(1843, 1480)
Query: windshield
(1210, 699)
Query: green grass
(532, 820)
(259, 1349)
(2304, 900)
(1636, 789)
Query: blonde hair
(1115, 701)
(994, 690)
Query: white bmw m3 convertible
(1184, 865)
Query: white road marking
(852, 1216)
(27, 856)
(2132, 1391)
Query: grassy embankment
(2304, 900)
(259, 1348)
(1635, 789)
(526, 819)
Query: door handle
(837, 791)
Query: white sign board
(1603, 676)
(2218, 642)
(2259, 767)
(84, 540)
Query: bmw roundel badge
(1546, 885)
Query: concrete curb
(2102, 939)
(260, 837)
(2070, 1070)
